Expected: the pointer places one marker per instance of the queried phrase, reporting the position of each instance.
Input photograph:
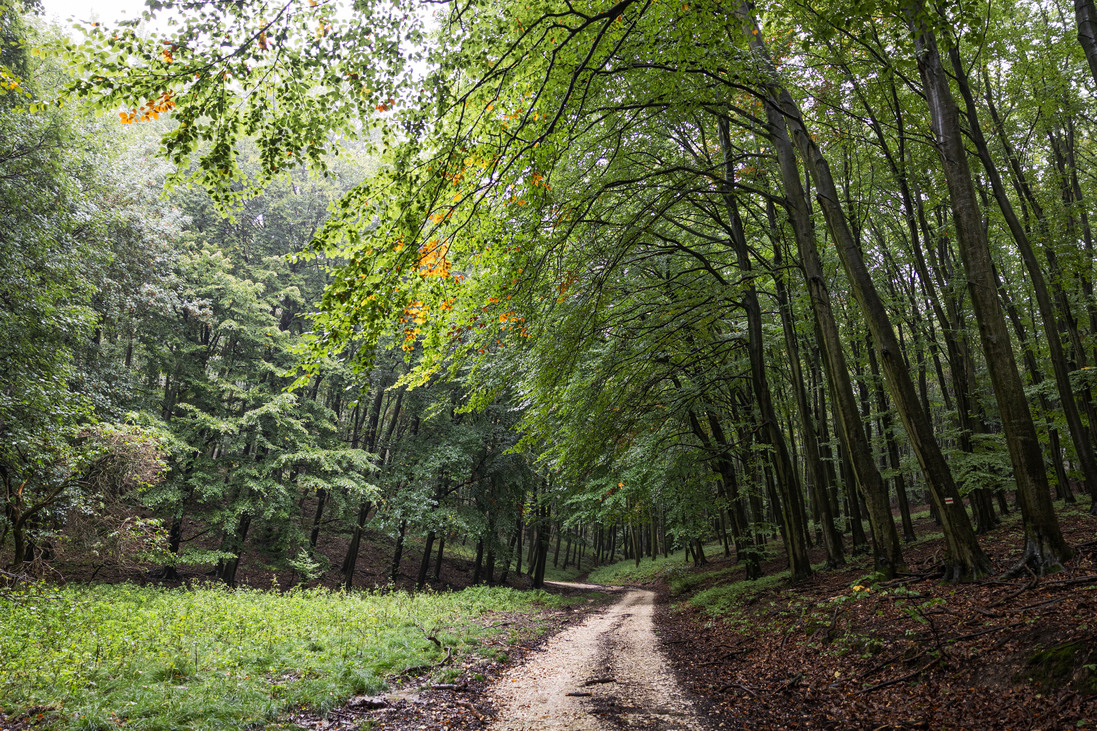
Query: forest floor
(840, 651)
(843, 652)
(605, 673)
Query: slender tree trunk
(1045, 549)
(518, 547)
(729, 486)
(424, 564)
(541, 552)
(1062, 484)
(226, 569)
(1086, 17)
(1053, 320)
(438, 558)
(478, 562)
(314, 536)
(965, 559)
(556, 553)
(791, 516)
(398, 551)
(892, 449)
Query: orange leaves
(416, 312)
(152, 109)
(536, 180)
(564, 286)
(432, 259)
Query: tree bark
(965, 559)
(424, 564)
(1086, 16)
(791, 515)
(1053, 319)
(1045, 549)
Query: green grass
(212, 658)
(627, 572)
(569, 574)
(724, 599)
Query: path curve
(606, 673)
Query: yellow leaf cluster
(432, 259)
(152, 109)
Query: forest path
(606, 673)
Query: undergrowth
(100, 657)
(571, 573)
(649, 570)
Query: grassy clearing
(561, 574)
(100, 657)
(627, 572)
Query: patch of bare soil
(606, 673)
(909, 653)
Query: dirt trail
(607, 673)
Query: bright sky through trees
(101, 10)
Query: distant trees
(57, 453)
(148, 343)
(704, 251)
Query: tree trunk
(1086, 16)
(438, 559)
(353, 547)
(398, 551)
(892, 449)
(832, 539)
(314, 536)
(424, 564)
(226, 569)
(478, 563)
(1045, 549)
(1053, 320)
(965, 559)
(540, 554)
(792, 518)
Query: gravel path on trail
(607, 673)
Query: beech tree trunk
(1045, 549)
(832, 539)
(792, 518)
(965, 559)
(1086, 16)
(1053, 320)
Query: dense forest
(720, 270)
(641, 275)
(328, 297)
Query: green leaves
(292, 76)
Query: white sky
(104, 11)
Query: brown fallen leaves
(907, 654)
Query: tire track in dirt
(607, 673)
